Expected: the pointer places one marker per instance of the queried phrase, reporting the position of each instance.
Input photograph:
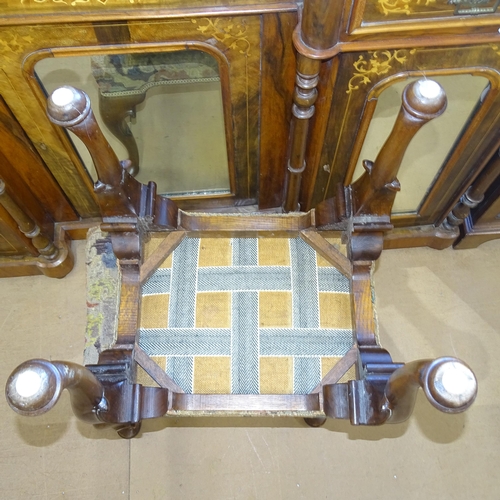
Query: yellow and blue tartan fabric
(246, 316)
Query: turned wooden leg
(448, 383)
(100, 394)
(114, 112)
(35, 386)
(374, 192)
(366, 205)
(122, 199)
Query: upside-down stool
(239, 314)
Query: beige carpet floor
(430, 304)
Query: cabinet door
(443, 159)
(195, 103)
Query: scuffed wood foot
(315, 422)
(128, 431)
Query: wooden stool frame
(383, 391)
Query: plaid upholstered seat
(246, 316)
(242, 315)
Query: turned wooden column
(53, 261)
(304, 97)
(314, 38)
(27, 226)
(475, 194)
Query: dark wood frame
(263, 110)
(241, 47)
(339, 45)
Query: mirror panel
(163, 111)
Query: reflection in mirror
(163, 111)
(429, 149)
